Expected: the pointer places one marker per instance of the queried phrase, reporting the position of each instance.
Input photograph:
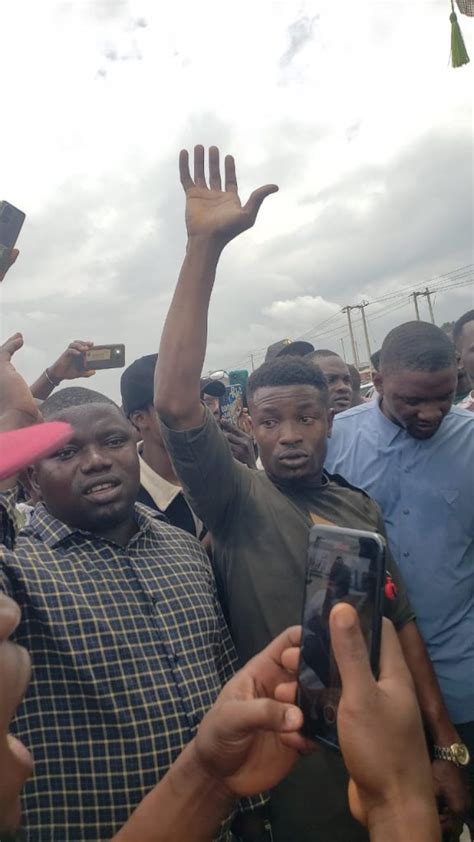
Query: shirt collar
(160, 490)
(388, 430)
(52, 532)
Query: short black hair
(320, 352)
(287, 371)
(459, 325)
(375, 360)
(71, 396)
(417, 346)
(355, 377)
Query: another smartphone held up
(11, 221)
(344, 565)
(102, 356)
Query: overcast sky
(349, 105)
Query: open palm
(211, 211)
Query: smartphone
(232, 403)
(11, 221)
(103, 356)
(344, 565)
(239, 377)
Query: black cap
(287, 346)
(208, 386)
(137, 384)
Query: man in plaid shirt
(119, 612)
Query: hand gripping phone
(344, 565)
(103, 356)
(11, 221)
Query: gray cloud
(101, 261)
(299, 33)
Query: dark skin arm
(449, 784)
(213, 218)
(65, 368)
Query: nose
(290, 433)
(430, 413)
(94, 458)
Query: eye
(269, 423)
(116, 441)
(65, 454)
(306, 419)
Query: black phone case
(102, 357)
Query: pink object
(20, 448)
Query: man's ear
(378, 382)
(331, 414)
(139, 420)
(32, 480)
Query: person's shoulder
(355, 415)
(337, 481)
(460, 417)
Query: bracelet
(54, 382)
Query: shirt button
(406, 554)
(406, 511)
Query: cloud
(300, 32)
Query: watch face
(461, 754)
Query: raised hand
(17, 406)
(67, 366)
(15, 760)
(211, 211)
(11, 259)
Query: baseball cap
(137, 384)
(208, 386)
(287, 346)
(20, 448)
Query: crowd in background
(164, 545)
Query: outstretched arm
(214, 216)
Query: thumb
(350, 652)
(244, 718)
(257, 198)
(88, 373)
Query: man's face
(291, 425)
(466, 348)
(212, 402)
(147, 423)
(417, 400)
(92, 482)
(338, 379)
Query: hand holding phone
(344, 565)
(11, 221)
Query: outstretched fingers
(199, 174)
(230, 176)
(184, 174)
(214, 169)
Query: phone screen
(343, 566)
(231, 403)
(103, 356)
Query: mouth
(342, 402)
(293, 458)
(426, 429)
(103, 492)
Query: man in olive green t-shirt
(260, 520)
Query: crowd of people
(152, 548)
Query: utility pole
(366, 332)
(351, 333)
(343, 349)
(415, 301)
(427, 293)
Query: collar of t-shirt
(160, 490)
